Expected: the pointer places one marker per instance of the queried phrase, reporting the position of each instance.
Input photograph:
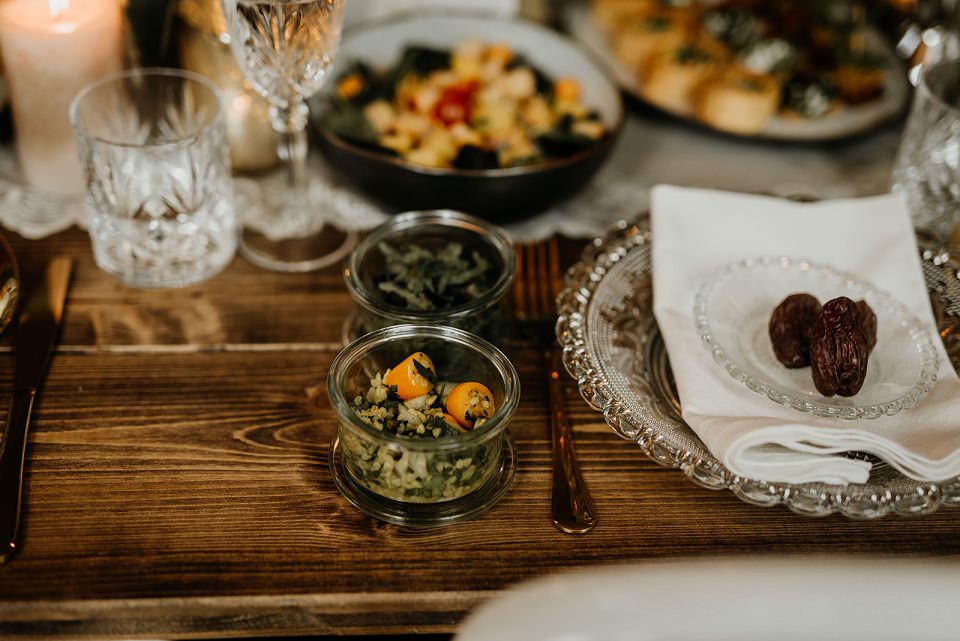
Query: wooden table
(177, 482)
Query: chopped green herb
(421, 279)
(425, 372)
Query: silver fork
(534, 296)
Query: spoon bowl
(9, 284)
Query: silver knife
(36, 334)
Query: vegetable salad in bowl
(422, 413)
(492, 115)
(480, 105)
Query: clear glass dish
(422, 481)
(613, 349)
(732, 313)
(432, 230)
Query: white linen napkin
(696, 233)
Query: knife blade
(37, 330)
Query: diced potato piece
(400, 143)
(441, 140)
(496, 117)
(426, 156)
(520, 83)
(491, 94)
(381, 115)
(537, 114)
(463, 134)
(442, 79)
(511, 155)
(592, 129)
(425, 97)
(514, 146)
(469, 49)
(413, 124)
(466, 68)
(490, 71)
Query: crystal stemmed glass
(285, 49)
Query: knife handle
(12, 450)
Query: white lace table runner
(652, 151)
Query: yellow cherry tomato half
(469, 401)
(408, 380)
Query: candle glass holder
(159, 192)
(285, 49)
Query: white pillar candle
(51, 49)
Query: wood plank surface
(177, 483)
(243, 305)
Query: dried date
(868, 324)
(838, 349)
(789, 329)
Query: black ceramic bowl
(495, 194)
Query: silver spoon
(9, 283)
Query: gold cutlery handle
(571, 506)
(12, 451)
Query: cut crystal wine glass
(285, 49)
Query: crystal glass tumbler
(927, 170)
(157, 170)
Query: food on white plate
(737, 64)
(737, 101)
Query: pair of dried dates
(835, 340)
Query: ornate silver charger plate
(732, 312)
(612, 347)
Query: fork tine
(519, 283)
(533, 285)
(553, 271)
(544, 304)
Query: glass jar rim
(147, 72)
(359, 348)
(494, 235)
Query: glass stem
(296, 219)
(290, 123)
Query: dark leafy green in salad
(422, 279)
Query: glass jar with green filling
(422, 479)
(436, 267)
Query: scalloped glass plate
(732, 312)
(612, 347)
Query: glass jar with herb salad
(422, 413)
(436, 267)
